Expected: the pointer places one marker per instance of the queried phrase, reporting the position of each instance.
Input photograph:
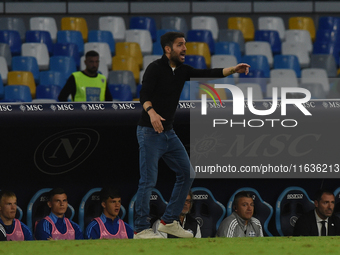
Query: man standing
(109, 225)
(87, 85)
(241, 222)
(15, 229)
(162, 85)
(56, 226)
(320, 221)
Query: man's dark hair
(240, 195)
(168, 39)
(108, 192)
(320, 192)
(6, 193)
(91, 53)
(56, 191)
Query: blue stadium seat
(202, 35)
(287, 62)
(255, 76)
(123, 77)
(327, 36)
(258, 62)
(120, 92)
(262, 210)
(147, 23)
(207, 211)
(195, 61)
(63, 64)
(52, 78)
(157, 49)
(12, 38)
(228, 48)
(71, 36)
(291, 204)
(17, 93)
(157, 206)
(139, 87)
(26, 63)
(102, 36)
(40, 36)
(328, 23)
(270, 36)
(90, 208)
(68, 50)
(37, 208)
(328, 48)
(47, 92)
(185, 94)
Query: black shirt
(162, 86)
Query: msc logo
(93, 107)
(295, 196)
(124, 106)
(31, 108)
(186, 105)
(200, 197)
(64, 151)
(5, 108)
(62, 107)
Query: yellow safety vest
(89, 88)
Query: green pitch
(206, 246)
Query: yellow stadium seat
(199, 48)
(244, 24)
(126, 63)
(130, 49)
(305, 23)
(75, 23)
(22, 78)
(221, 92)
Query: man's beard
(175, 59)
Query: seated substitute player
(186, 220)
(321, 221)
(241, 222)
(109, 225)
(56, 226)
(15, 229)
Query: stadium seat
(232, 35)
(39, 51)
(161, 32)
(328, 23)
(38, 36)
(270, 36)
(2, 89)
(327, 36)
(272, 23)
(207, 211)
(196, 61)
(257, 91)
(148, 23)
(315, 75)
(157, 48)
(176, 23)
(142, 37)
(255, 76)
(126, 63)
(103, 50)
(90, 208)
(69, 36)
(3, 70)
(258, 62)
(298, 49)
(48, 92)
(221, 61)
(324, 61)
(206, 22)
(262, 210)
(52, 78)
(199, 48)
(228, 48)
(149, 59)
(123, 77)
(63, 64)
(157, 206)
(300, 36)
(316, 90)
(304, 23)
(12, 38)
(67, 50)
(26, 63)
(245, 24)
(131, 49)
(37, 208)
(114, 24)
(103, 36)
(185, 94)
(6, 53)
(287, 77)
(22, 78)
(287, 62)
(202, 36)
(290, 205)
(17, 93)
(259, 48)
(14, 23)
(328, 48)
(45, 24)
(103, 68)
(120, 92)
(77, 24)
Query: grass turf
(232, 246)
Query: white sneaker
(146, 234)
(174, 229)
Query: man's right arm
(68, 89)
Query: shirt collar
(104, 218)
(54, 217)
